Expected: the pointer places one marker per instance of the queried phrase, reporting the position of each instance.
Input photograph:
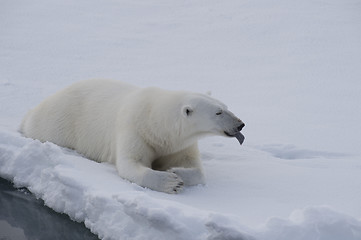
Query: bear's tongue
(239, 137)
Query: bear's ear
(187, 111)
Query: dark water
(23, 217)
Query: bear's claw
(178, 188)
(173, 183)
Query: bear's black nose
(241, 126)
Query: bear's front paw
(190, 176)
(163, 181)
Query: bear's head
(204, 115)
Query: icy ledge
(112, 208)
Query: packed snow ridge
(113, 208)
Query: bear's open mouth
(228, 134)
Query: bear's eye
(188, 111)
(219, 113)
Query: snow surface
(290, 70)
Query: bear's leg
(146, 177)
(186, 164)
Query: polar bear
(149, 134)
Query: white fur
(149, 133)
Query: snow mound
(313, 223)
(292, 152)
(111, 207)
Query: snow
(290, 70)
(111, 207)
